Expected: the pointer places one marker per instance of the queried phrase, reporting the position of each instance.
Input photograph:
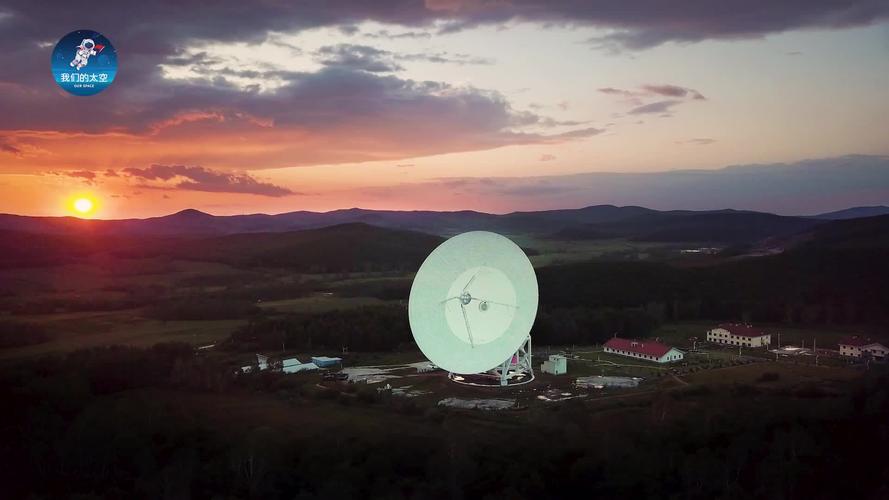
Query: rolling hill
(863, 233)
(854, 213)
(341, 248)
(193, 222)
(721, 227)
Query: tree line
(125, 423)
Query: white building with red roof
(739, 334)
(649, 350)
(856, 347)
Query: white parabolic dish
(473, 302)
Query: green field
(789, 374)
(320, 303)
(74, 331)
(551, 252)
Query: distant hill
(720, 227)
(196, 223)
(341, 248)
(863, 233)
(854, 213)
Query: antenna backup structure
(471, 308)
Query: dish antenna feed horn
(471, 308)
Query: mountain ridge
(196, 222)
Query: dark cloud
(196, 178)
(9, 148)
(86, 176)
(805, 187)
(149, 34)
(583, 133)
(699, 141)
(637, 97)
(446, 58)
(664, 90)
(673, 91)
(360, 57)
(396, 36)
(614, 91)
(654, 108)
(152, 30)
(374, 60)
(349, 29)
(337, 114)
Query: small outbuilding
(555, 365)
(299, 367)
(326, 362)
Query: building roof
(857, 341)
(325, 358)
(646, 347)
(300, 367)
(742, 330)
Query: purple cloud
(9, 148)
(382, 107)
(673, 91)
(805, 187)
(86, 176)
(654, 108)
(196, 178)
(699, 141)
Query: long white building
(739, 335)
(648, 350)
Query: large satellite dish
(472, 304)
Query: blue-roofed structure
(326, 362)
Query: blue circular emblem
(84, 62)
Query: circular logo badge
(84, 62)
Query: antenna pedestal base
(515, 370)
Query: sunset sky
(243, 107)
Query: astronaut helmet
(87, 44)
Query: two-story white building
(738, 334)
(856, 347)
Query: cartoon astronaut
(86, 49)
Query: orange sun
(83, 205)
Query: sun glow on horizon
(82, 205)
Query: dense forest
(131, 423)
(807, 286)
(386, 328)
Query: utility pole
(815, 348)
(779, 340)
